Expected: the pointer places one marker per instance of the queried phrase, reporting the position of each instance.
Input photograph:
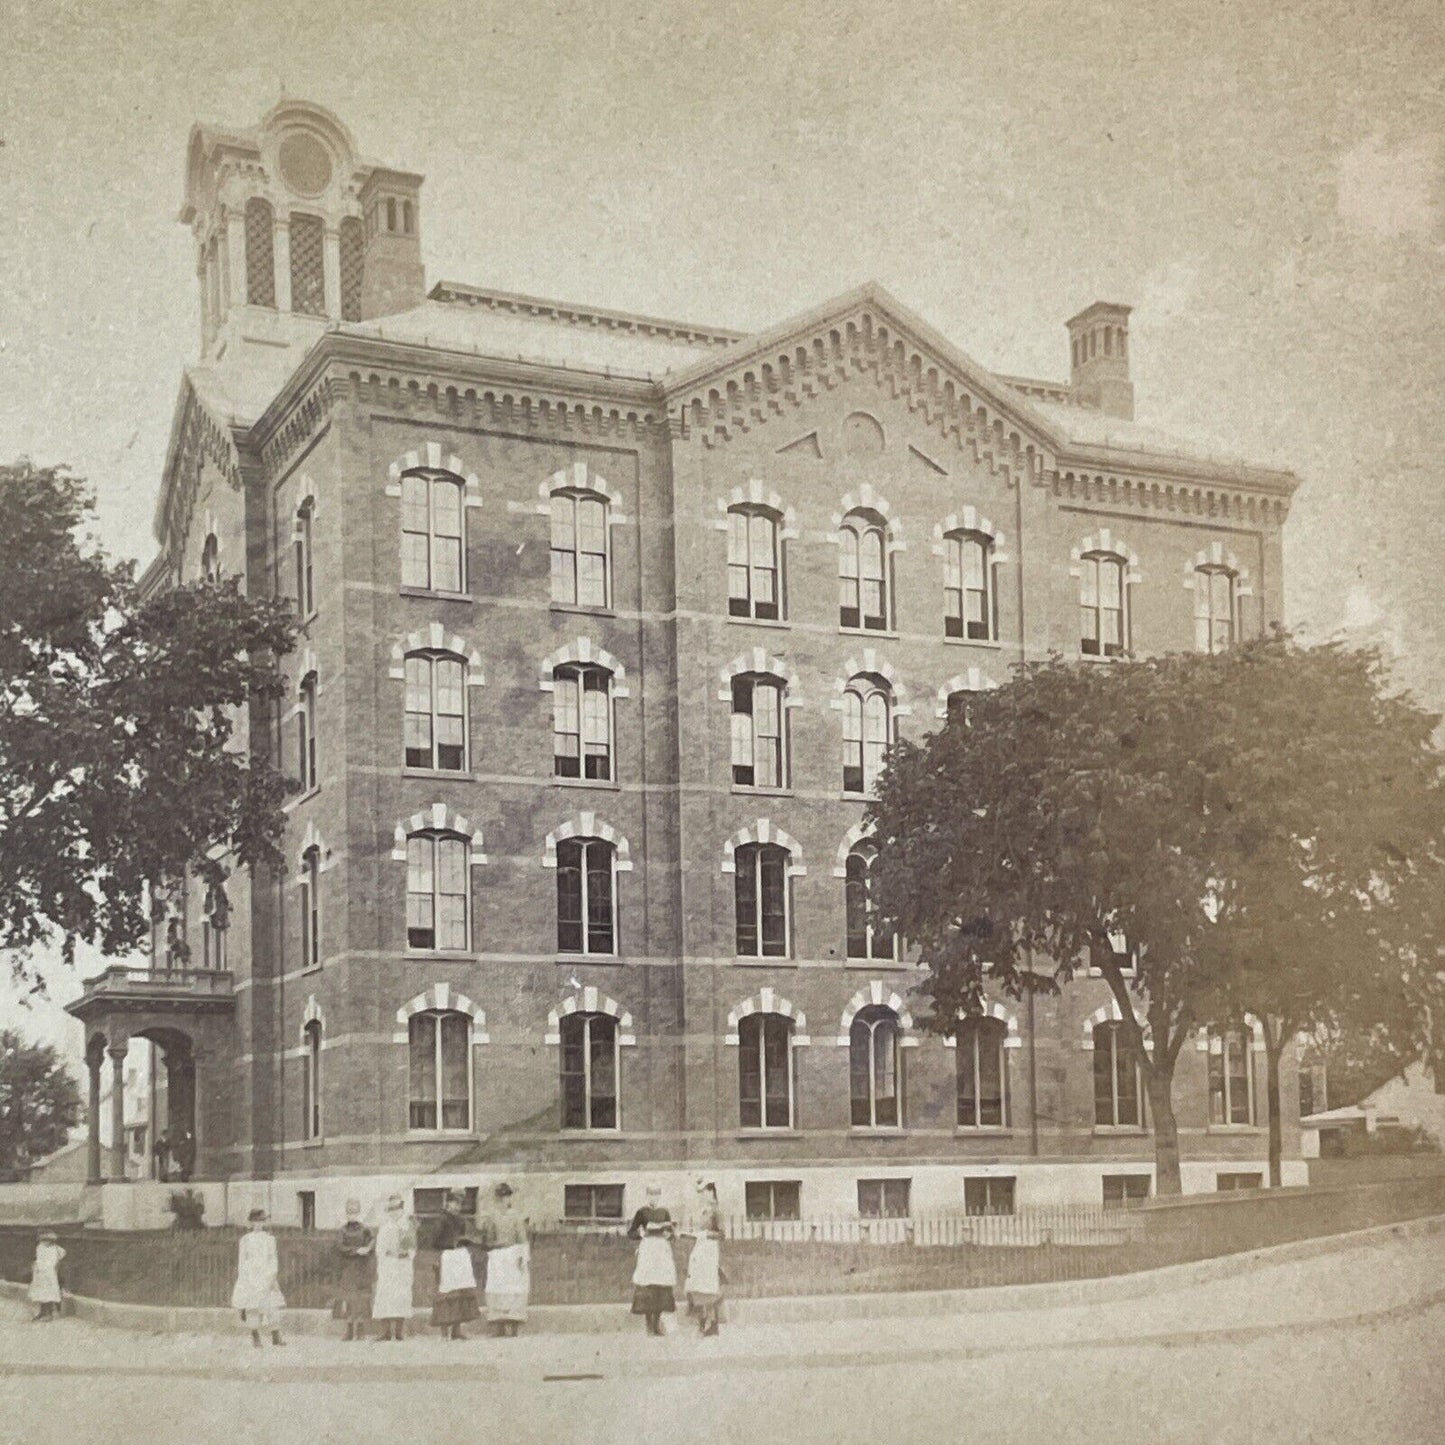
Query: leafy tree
(123, 755)
(39, 1102)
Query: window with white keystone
(982, 1073)
(864, 584)
(758, 719)
(310, 908)
(582, 722)
(438, 892)
(306, 769)
(436, 711)
(586, 896)
(439, 1077)
(970, 609)
(1118, 1078)
(1216, 608)
(1103, 604)
(1231, 1077)
(867, 731)
(433, 532)
(867, 935)
(760, 891)
(579, 549)
(765, 1071)
(305, 567)
(874, 1068)
(754, 563)
(311, 1079)
(589, 1071)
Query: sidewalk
(1381, 1274)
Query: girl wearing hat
(258, 1287)
(654, 1280)
(395, 1252)
(704, 1265)
(509, 1265)
(456, 1300)
(45, 1276)
(353, 1272)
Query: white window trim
(589, 1128)
(586, 951)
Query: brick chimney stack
(1099, 353)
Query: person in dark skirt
(354, 1247)
(654, 1280)
(456, 1301)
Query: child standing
(258, 1287)
(45, 1276)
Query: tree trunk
(1159, 1085)
(1273, 1047)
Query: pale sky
(1265, 184)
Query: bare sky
(1264, 183)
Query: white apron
(392, 1299)
(702, 1267)
(509, 1281)
(456, 1270)
(655, 1264)
(45, 1276)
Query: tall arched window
(439, 1093)
(867, 731)
(582, 722)
(432, 521)
(1118, 1081)
(579, 549)
(586, 896)
(306, 770)
(353, 263)
(758, 716)
(308, 266)
(754, 564)
(863, 582)
(1231, 1078)
(311, 1080)
(867, 936)
(760, 894)
(436, 711)
(970, 596)
(310, 908)
(1216, 609)
(765, 1071)
(438, 892)
(305, 567)
(260, 253)
(982, 1066)
(1103, 605)
(873, 1069)
(589, 1071)
(210, 560)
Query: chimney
(1099, 352)
(392, 276)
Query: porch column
(93, 1173)
(197, 1117)
(117, 1111)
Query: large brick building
(607, 621)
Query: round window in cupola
(305, 163)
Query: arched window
(1216, 609)
(438, 892)
(311, 1080)
(959, 705)
(306, 771)
(305, 570)
(436, 711)
(586, 896)
(970, 596)
(873, 1069)
(582, 722)
(589, 1071)
(353, 264)
(867, 731)
(579, 549)
(868, 937)
(260, 253)
(1231, 1078)
(982, 1066)
(759, 759)
(760, 892)
(308, 267)
(765, 1071)
(1118, 1081)
(1103, 605)
(210, 560)
(863, 583)
(310, 908)
(432, 531)
(439, 1093)
(754, 564)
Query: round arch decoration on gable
(435, 638)
(583, 650)
(766, 1001)
(588, 825)
(865, 499)
(758, 660)
(877, 994)
(763, 831)
(590, 1000)
(974, 680)
(429, 457)
(1105, 541)
(437, 819)
(858, 833)
(871, 663)
(580, 477)
(757, 494)
(970, 521)
(1215, 556)
(441, 998)
(1012, 1038)
(1110, 1013)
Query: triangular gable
(198, 432)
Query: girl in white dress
(258, 1285)
(45, 1276)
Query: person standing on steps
(395, 1254)
(45, 1276)
(161, 1152)
(654, 1280)
(509, 1264)
(703, 1286)
(354, 1246)
(258, 1286)
(456, 1301)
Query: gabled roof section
(200, 430)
